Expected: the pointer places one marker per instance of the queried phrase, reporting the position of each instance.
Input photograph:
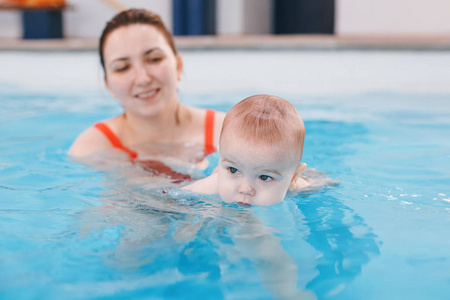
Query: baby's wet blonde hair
(266, 119)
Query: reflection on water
(228, 248)
(207, 243)
(343, 239)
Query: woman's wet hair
(266, 119)
(131, 17)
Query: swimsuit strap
(209, 135)
(209, 132)
(114, 140)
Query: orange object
(209, 136)
(157, 167)
(153, 166)
(114, 140)
(38, 3)
(209, 132)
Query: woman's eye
(265, 178)
(155, 59)
(232, 170)
(121, 69)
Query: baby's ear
(294, 185)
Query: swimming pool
(67, 231)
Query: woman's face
(141, 70)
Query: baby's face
(254, 174)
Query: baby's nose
(246, 189)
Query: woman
(142, 68)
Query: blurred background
(388, 45)
(79, 19)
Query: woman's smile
(148, 95)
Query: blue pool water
(71, 232)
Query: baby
(260, 150)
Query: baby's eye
(232, 170)
(265, 178)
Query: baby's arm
(206, 185)
(300, 182)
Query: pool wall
(264, 71)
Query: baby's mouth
(244, 204)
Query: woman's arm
(89, 142)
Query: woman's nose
(143, 77)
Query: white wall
(230, 17)
(86, 18)
(10, 24)
(393, 17)
(235, 17)
(258, 16)
(320, 73)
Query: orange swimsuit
(155, 166)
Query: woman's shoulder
(200, 115)
(218, 116)
(90, 141)
(218, 122)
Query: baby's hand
(298, 184)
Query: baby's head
(261, 146)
